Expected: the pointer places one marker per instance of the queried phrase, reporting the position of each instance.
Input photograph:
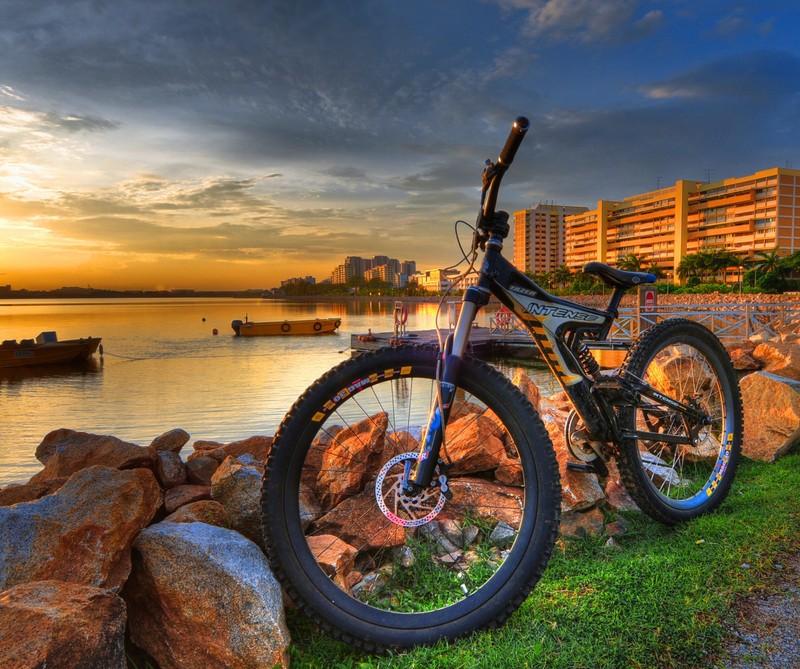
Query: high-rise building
(758, 212)
(387, 269)
(352, 266)
(408, 267)
(539, 237)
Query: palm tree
(770, 260)
(720, 260)
(562, 276)
(688, 266)
(632, 262)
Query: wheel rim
(363, 537)
(684, 476)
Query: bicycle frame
(559, 327)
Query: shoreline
(597, 301)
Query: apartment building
(758, 212)
(386, 269)
(539, 237)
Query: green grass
(658, 600)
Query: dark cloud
(760, 78)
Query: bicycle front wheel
(669, 480)
(376, 567)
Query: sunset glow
(191, 146)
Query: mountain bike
(413, 494)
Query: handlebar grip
(515, 137)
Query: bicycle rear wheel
(674, 482)
(380, 569)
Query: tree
(562, 276)
(707, 266)
(657, 271)
(688, 266)
(769, 268)
(631, 262)
(720, 260)
(769, 262)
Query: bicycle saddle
(618, 278)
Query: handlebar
(515, 137)
(493, 173)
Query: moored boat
(46, 350)
(307, 326)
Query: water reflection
(60, 370)
(164, 368)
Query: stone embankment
(113, 538)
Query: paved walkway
(767, 630)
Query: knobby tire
(673, 483)
(378, 569)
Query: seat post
(613, 303)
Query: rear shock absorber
(587, 360)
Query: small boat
(46, 350)
(308, 326)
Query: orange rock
(617, 496)
(172, 441)
(771, 415)
(64, 452)
(257, 446)
(474, 444)
(359, 521)
(237, 486)
(528, 387)
(57, 624)
(333, 555)
(200, 469)
(351, 457)
(82, 533)
(779, 358)
(28, 492)
(204, 596)
(180, 495)
(205, 511)
(169, 469)
(581, 524)
(489, 500)
(744, 361)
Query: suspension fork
(452, 358)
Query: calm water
(163, 368)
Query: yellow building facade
(743, 215)
(539, 239)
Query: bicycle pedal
(582, 467)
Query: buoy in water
(215, 331)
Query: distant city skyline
(226, 147)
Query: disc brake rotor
(400, 508)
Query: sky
(215, 144)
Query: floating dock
(482, 342)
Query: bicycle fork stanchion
(452, 355)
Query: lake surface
(163, 368)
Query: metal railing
(727, 321)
